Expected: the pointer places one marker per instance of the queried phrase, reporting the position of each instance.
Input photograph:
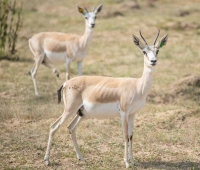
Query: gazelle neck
(146, 80)
(86, 38)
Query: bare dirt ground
(166, 131)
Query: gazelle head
(150, 52)
(90, 17)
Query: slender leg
(51, 67)
(73, 123)
(79, 68)
(125, 134)
(32, 68)
(130, 135)
(55, 72)
(38, 61)
(54, 127)
(67, 68)
(72, 129)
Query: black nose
(154, 61)
(93, 25)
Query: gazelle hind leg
(38, 61)
(32, 68)
(54, 70)
(72, 129)
(54, 127)
(51, 133)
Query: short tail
(59, 93)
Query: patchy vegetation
(187, 88)
(166, 131)
(10, 17)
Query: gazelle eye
(144, 52)
(95, 17)
(157, 52)
(86, 17)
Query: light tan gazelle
(106, 97)
(51, 48)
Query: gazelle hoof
(81, 159)
(37, 94)
(127, 165)
(47, 162)
(132, 162)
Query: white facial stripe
(90, 14)
(151, 55)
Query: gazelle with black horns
(51, 48)
(106, 97)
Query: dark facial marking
(144, 52)
(146, 55)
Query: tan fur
(55, 42)
(52, 48)
(97, 89)
(106, 97)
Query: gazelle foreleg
(79, 64)
(130, 136)
(67, 68)
(72, 129)
(38, 61)
(125, 135)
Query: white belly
(100, 110)
(60, 57)
(56, 57)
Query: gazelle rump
(105, 97)
(51, 48)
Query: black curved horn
(156, 37)
(143, 38)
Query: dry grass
(166, 132)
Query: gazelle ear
(137, 42)
(81, 10)
(162, 42)
(98, 9)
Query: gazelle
(51, 48)
(106, 97)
